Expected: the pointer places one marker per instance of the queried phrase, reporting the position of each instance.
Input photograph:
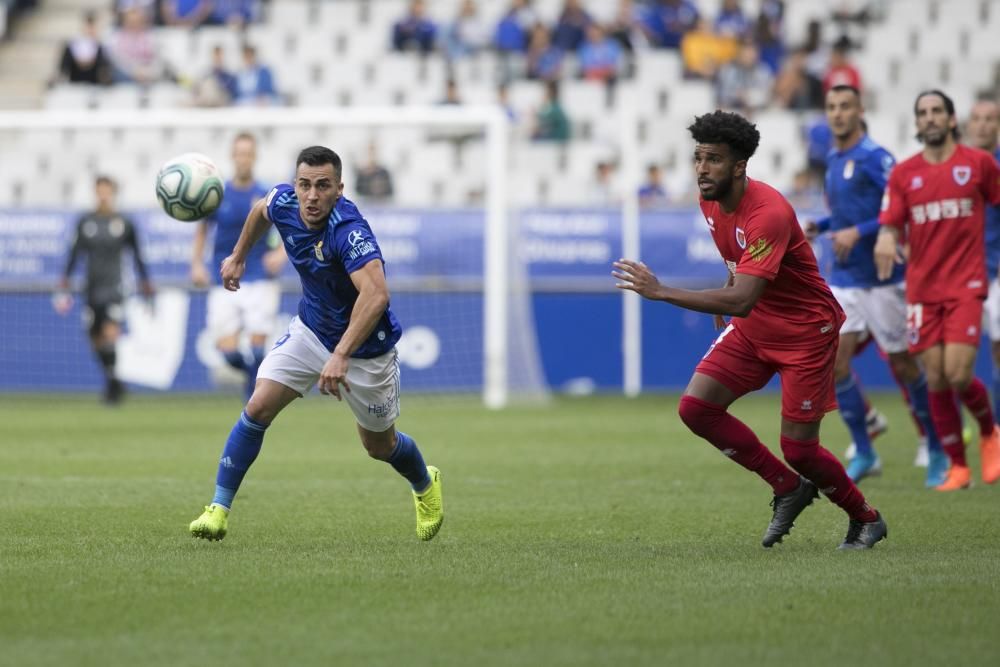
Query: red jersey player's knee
(799, 453)
(698, 415)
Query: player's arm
(75, 249)
(891, 221)
(199, 274)
(132, 241)
(254, 227)
(373, 299)
(275, 258)
(736, 301)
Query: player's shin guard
(824, 470)
(407, 460)
(238, 455)
(977, 400)
(852, 411)
(735, 439)
(920, 407)
(948, 424)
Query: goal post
(506, 373)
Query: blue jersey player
(856, 175)
(983, 129)
(343, 337)
(253, 310)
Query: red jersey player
(938, 198)
(785, 321)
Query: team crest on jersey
(318, 250)
(711, 223)
(741, 239)
(961, 174)
(848, 170)
(916, 183)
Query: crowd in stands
(744, 57)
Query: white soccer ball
(189, 187)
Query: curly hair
(731, 129)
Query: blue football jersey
(855, 181)
(993, 235)
(324, 259)
(228, 220)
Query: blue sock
(239, 453)
(852, 411)
(922, 410)
(258, 357)
(996, 392)
(235, 359)
(408, 462)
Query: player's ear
(740, 169)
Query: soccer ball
(189, 187)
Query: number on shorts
(914, 320)
(729, 327)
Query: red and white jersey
(940, 209)
(762, 238)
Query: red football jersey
(941, 209)
(762, 237)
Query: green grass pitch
(593, 531)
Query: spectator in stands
(652, 193)
(186, 13)
(840, 71)
(414, 32)
(513, 32)
(666, 21)
(151, 8)
(626, 29)
(254, 82)
(468, 33)
(731, 21)
(604, 190)
(83, 58)
(600, 56)
(373, 181)
(133, 51)
(544, 58)
(819, 142)
(795, 88)
(817, 53)
(218, 87)
(503, 100)
(451, 94)
(704, 51)
(744, 84)
(234, 12)
(551, 122)
(806, 192)
(571, 27)
(768, 39)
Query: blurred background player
(856, 174)
(252, 310)
(936, 200)
(344, 337)
(785, 320)
(101, 237)
(984, 121)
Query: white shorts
(253, 308)
(880, 310)
(991, 311)
(298, 357)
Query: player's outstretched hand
(199, 275)
(844, 241)
(231, 272)
(637, 277)
(333, 375)
(887, 255)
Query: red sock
(977, 400)
(824, 470)
(735, 439)
(948, 424)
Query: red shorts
(930, 324)
(807, 391)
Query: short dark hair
(103, 179)
(249, 136)
(316, 156)
(949, 105)
(731, 129)
(844, 88)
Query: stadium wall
(435, 268)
